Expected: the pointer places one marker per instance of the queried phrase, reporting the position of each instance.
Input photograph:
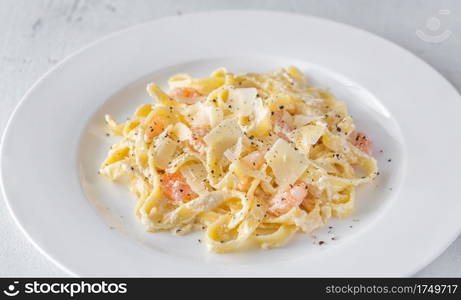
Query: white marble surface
(35, 35)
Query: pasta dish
(250, 159)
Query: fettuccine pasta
(251, 159)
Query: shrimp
(197, 142)
(156, 126)
(292, 197)
(282, 123)
(175, 187)
(361, 141)
(185, 94)
(254, 160)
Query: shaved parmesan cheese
(197, 115)
(218, 140)
(164, 152)
(182, 132)
(301, 120)
(306, 136)
(200, 115)
(260, 124)
(242, 100)
(311, 133)
(195, 175)
(215, 115)
(286, 163)
(223, 136)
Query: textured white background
(36, 34)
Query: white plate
(56, 140)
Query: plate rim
(115, 34)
